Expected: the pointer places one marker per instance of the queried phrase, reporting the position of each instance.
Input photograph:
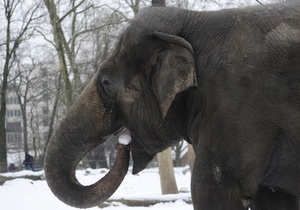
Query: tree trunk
(191, 157)
(78, 88)
(178, 150)
(25, 130)
(134, 5)
(24, 119)
(3, 149)
(51, 125)
(59, 43)
(158, 3)
(33, 137)
(166, 172)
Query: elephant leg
(267, 199)
(211, 198)
(210, 193)
(230, 162)
(221, 182)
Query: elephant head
(143, 86)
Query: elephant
(227, 81)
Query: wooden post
(166, 172)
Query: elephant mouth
(140, 157)
(140, 161)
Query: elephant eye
(105, 82)
(108, 87)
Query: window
(8, 136)
(13, 100)
(13, 127)
(13, 113)
(17, 113)
(13, 138)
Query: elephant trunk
(83, 128)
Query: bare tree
(178, 149)
(69, 47)
(53, 116)
(134, 5)
(27, 88)
(59, 39)
(11, 45)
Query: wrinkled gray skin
(227, 81)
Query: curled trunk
(83, 128)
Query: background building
(14, 132)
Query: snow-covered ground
(26, 194)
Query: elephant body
(228, 82)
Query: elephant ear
(176, 71)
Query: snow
(124, 139)
(26, 194)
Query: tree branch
(18, 39)
(259, 2)
(87, 8)
(96, 29)
(70, 11)
(48, 40)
